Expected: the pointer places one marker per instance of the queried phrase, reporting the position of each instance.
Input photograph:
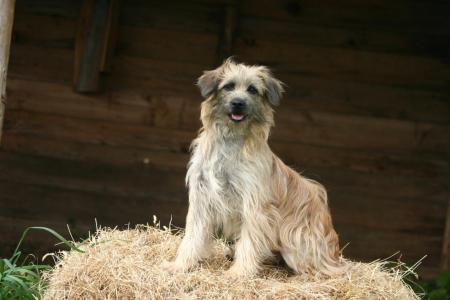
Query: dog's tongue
(237, 117)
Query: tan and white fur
(240, 188)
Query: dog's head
(239, 95)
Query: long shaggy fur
(239, 188)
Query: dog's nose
(238, 103)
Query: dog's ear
(274, 89)
(209, 82)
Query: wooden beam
(109, 42)
(6, 24)
(229, 31)
(445, 265)
(94, 43)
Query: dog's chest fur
(218, 171)
(222, 181)
(215, 178)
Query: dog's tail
(308, 240)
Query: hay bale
(125, 265)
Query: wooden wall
(366, 112)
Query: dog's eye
(229, 86)
(252, 90)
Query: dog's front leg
(196, 244)
(251, 250)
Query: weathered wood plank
(184, 16)
(99, 132)
(89, 44)
(400, 16)
(178, 72)
(368, 39)
(356, 132)
(371, 245)
(121, 105)
(348, 64)
(66, 9)
(6, 25)
(445, 259)
(187, 46)
(72, 150)
(133, 181)
(304, 156)
(308, 93)
(110, 36)
(82, 208)
(31, 62)
(342, 182)
(228, 33)
(44, 31)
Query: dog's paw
(172, 267)
(229, 253)
(236, 272)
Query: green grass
(437, 289)
(21, 279)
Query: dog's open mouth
(237, 117)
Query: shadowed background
(366, 113)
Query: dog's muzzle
(238, 110)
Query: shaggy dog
(239, 188)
